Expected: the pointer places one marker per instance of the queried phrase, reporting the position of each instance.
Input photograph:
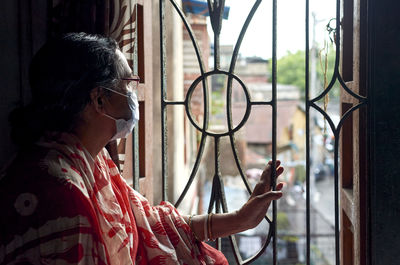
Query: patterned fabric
(123, 27)
(60, 206)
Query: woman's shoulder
(36, 167)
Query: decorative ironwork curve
(217, 199)
(231, 136)
(311, 103)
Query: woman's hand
(247, 217)
(254, 210)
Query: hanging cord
(323, 60)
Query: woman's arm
(247, 217)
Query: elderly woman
(63, 199)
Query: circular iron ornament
(203, 78)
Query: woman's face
(116, 105)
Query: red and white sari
(61, 206)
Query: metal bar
(216, 10)
(167, 102)
(135, 49)
(213, 196)
(194, 170)
(216, 52)
(218, 210)
(217, 169)
(348, 90)
(307, 96)
(241, 35)
(266, 244)
(336, 76)
(206, 107)
(349, 112)
(336, 175)
(274, 112)
(302, 235)
(222, 198)
(235, 248)
(326, 116)
(135, 134)
(336, 133)
(230, 123)
(164, 169)
(135, 158)
(217, 182)
(261, 103)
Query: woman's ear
(97, 99)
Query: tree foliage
(291, 70)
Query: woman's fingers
(265, 182)
(279, 171)
(277, 163)
(271, 195)
(279, 186)
(267, 169)
(267, 173)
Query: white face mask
(125, 127)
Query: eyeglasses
(132, 82)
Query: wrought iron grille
(218, 201)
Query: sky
(290, 25)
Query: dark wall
(9, 73)
(23, 29)
(25, 25)
(384, 95)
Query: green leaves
(291, 70)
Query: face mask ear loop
(108, 116)
(101, 112)
(115, 91)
